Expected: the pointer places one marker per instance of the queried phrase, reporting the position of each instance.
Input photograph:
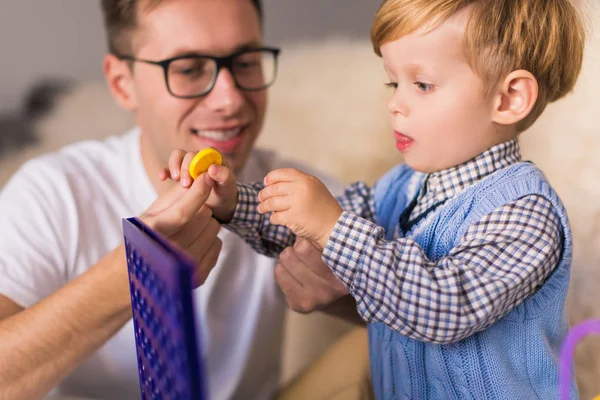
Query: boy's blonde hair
(544, 37)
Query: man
(65, 317)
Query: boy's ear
(515, 97)
(119, 77)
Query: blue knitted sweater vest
(515, 358)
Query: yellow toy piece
(203, 160)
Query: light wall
(65, 38)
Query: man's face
(227, 118)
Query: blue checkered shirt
(521, 241)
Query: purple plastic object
(160, 276)
(576, 334)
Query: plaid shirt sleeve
(255, 228)
(499, 262)
(269, 239)
(358, 199)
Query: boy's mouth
(403, 142)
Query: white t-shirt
(62, 212)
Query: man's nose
(225, 97)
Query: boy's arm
(499, 262)
(270, 239)
(255, 228)
(358, 199)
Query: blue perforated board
(169, 361)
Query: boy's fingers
(186, 179)
(175, 163)
(274, 190)
(274, 204)
(278, 218)
(164, 175)
(282, 175)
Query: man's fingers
(203, 242)
(283, 267)
(197, 194)
(299, 298)
(207, 263)
(296, 267)
(151, 215)
(191, 231)
(306, 284)
(186, 207)
(291, 288)
(307, 250)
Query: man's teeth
(218, 134)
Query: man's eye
(247, 64)
(188, 71)
(190, 68)
(192, 71)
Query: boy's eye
(392, 85)
(424, 87)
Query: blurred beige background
(328, 108)
(65, 38)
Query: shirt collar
(442, 185)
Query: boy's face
(440, 114)
(226, 118)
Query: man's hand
(300, 202)
(223, 199)
(307, 283)
(181, 216)
(41, 345)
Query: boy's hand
(223, 198)
(300, 202)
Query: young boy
(458, 259)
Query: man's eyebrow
(186, 52)
(247, 46)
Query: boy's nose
(396, 105)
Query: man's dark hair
(120, 20)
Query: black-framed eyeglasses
(193, 76)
